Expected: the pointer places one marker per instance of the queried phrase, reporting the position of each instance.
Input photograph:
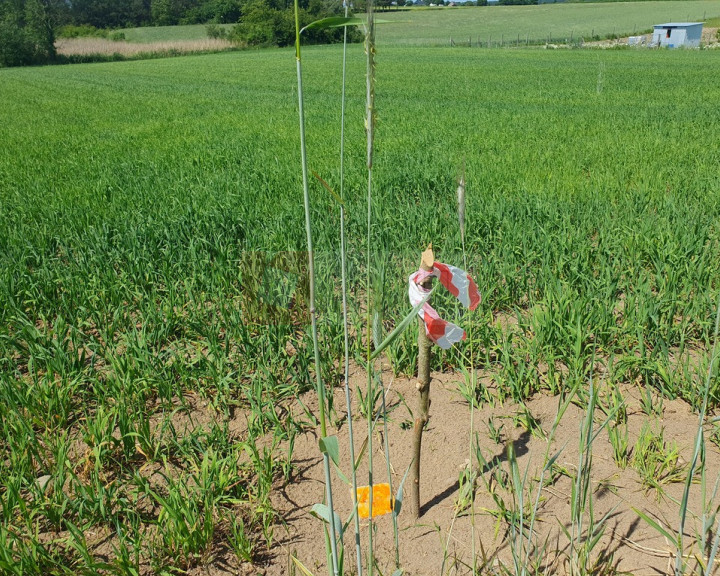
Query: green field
(560, 22)
(435, 26)
(136, 196)
(149, 34)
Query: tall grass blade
(346, 329)
(311, 297)
(461, 209)
(370, 132)
(397, 507)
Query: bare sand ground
(439, 542)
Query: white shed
(676, 34)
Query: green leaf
(400, 328)
(399, 498)
(398, 572)
(340, 473)
(359, 456)
(333, 22)
(329, 445)
(328, 188)
(302, 568)
(323, 512)
(377, 329)
(653, 524)
(347, 522)
(552, 460)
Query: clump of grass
(618, 425)
(708, 537)
(586, 529)
(649, 405)
(495, 432)
(523, 418)
(657, 461)
(715, 435)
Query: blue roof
(678, 25)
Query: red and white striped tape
(460, 285)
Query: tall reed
(370, 134)
(346, 338)
(472, 373)
(320, 387)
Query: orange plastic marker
(382, 500)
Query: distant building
(677, 34)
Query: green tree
(226, 11)
(27, 31)
(272, 22)
(217, 11)
(168, 12)
(110, 13)
(259, 25)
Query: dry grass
(93, 46)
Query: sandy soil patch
(440, 541)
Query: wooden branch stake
(423, 385)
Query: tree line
(28, 28)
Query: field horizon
(436, 26)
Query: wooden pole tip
(427, 260)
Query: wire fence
(526, 40)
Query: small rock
(43, 481)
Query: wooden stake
(423, 385)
